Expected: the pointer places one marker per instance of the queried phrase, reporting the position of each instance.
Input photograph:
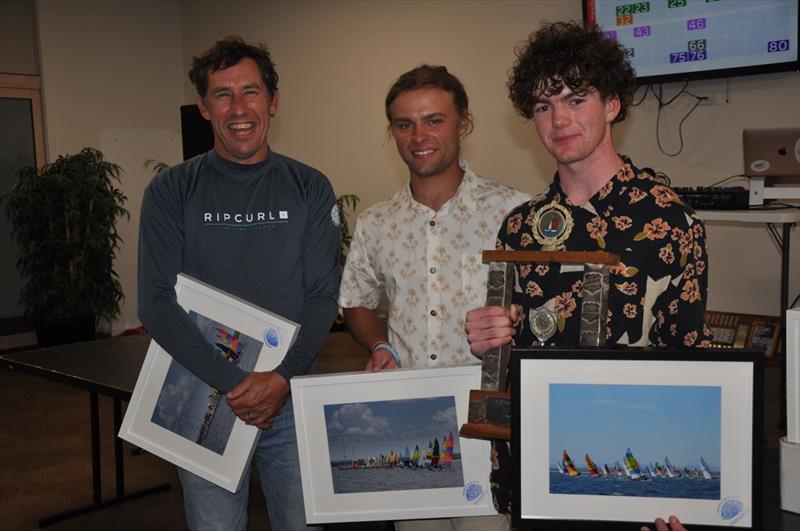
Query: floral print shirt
(429, 265)
(657, 292)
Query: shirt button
(433, 356)
(432, 223)
(433, 313)
(433, 270)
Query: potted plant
(63, 219)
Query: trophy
(490, 407)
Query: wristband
(386, 346)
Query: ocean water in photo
(350, 480)
(613, 485)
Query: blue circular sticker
(730, 508)
(473, 491)
(271, 338)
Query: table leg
(97, 502)
(785, 257)
(118, 458)
(94, 415)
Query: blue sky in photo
(654, 421)
(366, 429)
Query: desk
(107, 367)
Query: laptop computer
(773, 152)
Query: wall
(336, 61)
(18, 53)
(111, 79)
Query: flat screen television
(678, 40)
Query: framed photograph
(385, 446)
(613, 439)
(178, 417)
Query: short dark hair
(430, 76)
(227, 52)
(566, 53)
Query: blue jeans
(209, 507)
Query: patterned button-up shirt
(658, 291)
(429, 264)
(657, 294)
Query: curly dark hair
(227, 52)
(566, 53)
(430, 76)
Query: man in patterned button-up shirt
(575, 84)
(422, 246)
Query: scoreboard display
(671, 40)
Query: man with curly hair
(575, 84)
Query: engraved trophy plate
(543, 324)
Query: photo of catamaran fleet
(370, 445)
(675, 431)
(566, 478)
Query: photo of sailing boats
(394, 445)
(190, 407)
(635, 440)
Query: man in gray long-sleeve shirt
(260, 226)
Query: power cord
(662, 104)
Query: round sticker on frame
(271, 338)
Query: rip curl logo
(730, 510)
(335, 215)
(473, 491)
(245, 220)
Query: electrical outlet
(709, 97)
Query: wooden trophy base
(489, 415)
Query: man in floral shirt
(422, 247)
(575, 84)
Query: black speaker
(196, 132)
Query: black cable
(794, 302)
(726, 179)
(646, 90)
(680, 126)
(660, 89)
(784, 206)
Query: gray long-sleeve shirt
(267, 233)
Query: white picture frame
(165, 415)
(385, 410)
(702, 409)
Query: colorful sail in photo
(632, 466)
(704, 468)
(446, 460)
(675, 472)
(606, 472)
(568, 466)
(591, 467)
(428, 455)
(415, 457)
(435, 456)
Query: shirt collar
(463, 197)
(627, 168)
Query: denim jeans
(209, 507)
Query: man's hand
(489, 327)
(380, 360)
(259, 398)
(661, 525)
